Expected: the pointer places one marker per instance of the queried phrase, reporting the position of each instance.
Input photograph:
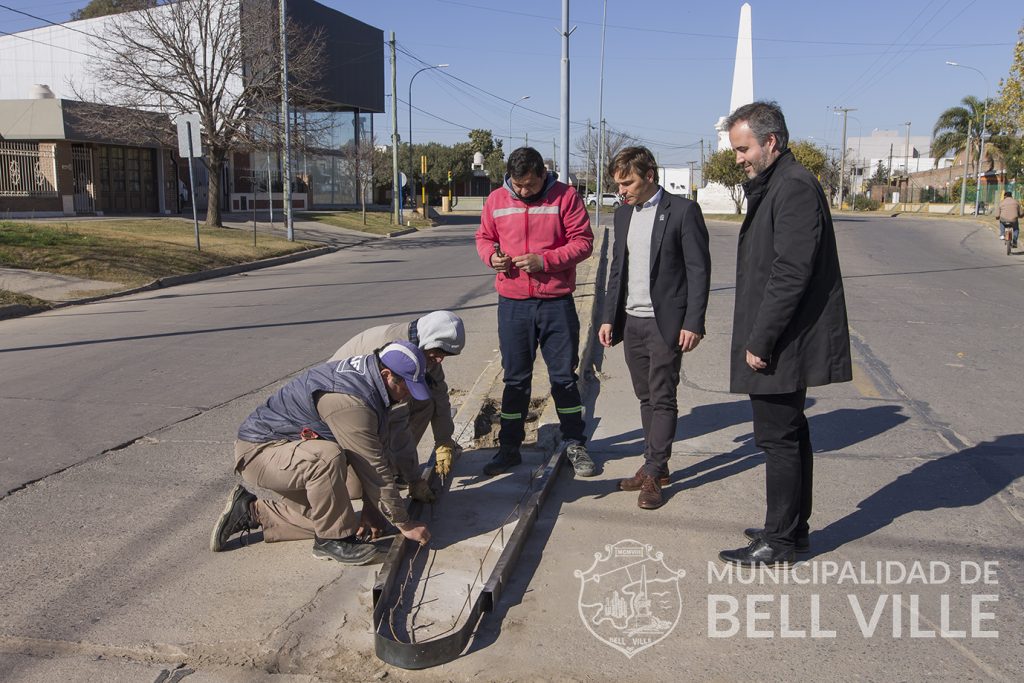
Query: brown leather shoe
(636, 481)
(650, 494)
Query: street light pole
(512, 109)
(981, 136)
(412, 183)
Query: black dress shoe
(757, 553)
(803, 543)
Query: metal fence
(85, 191)
(26, 170)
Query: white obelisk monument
(742, 74)
(715, 198)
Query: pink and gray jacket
(555, 226)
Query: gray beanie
(441, 330)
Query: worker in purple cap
(300, 445)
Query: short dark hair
(764, 119)
(638, 159)
(523, 162)
(1007, 194)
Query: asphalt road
(80, 381)
(118, 419)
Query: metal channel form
(393, 577)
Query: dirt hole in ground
(488, 422)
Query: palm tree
(950, 131)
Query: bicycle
(1007, 229)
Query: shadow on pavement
(830, 432)
(966, 478)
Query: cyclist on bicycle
(1008, 216)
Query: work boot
(581, 462)
(350, 550)
(506, 458)
(236, 518)
(650, 494)
(636, 481)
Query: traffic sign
(188, 131)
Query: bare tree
(217, 58)
(360, 155)
(588, 144)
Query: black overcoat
(680, 269)
(790, 308)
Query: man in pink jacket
(533, 232)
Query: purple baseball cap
(407, 361)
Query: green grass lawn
(132, 252)
(13, 298)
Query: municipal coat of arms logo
(629, 598)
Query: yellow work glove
(420, 490)
(443, 457)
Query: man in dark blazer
(790, 329)
(656, 300)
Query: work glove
(420, 490)
(444, 455)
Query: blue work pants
(551, 324)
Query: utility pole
(600, 119)
(286, 165)
(600, 173)
(590, 139)
(396, 188)
(907, 162)
(563, 162)
(554, 155)
(888, 179)
(693, 184)
(842, 162)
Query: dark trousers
(781, 431)
(551, 324)
(654, 368)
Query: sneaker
(236, 518)
(350, 550)
(581, 462)
(506, 458)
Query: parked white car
(607, 199)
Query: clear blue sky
(668, 64)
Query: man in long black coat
(790, 328)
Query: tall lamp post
(524, 97)
(412, 183)
(981, 148)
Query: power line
(649, 29)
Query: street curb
(587, 295)
(19, 310)
(399, 233)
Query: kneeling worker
(300, 444)
(439, 334)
